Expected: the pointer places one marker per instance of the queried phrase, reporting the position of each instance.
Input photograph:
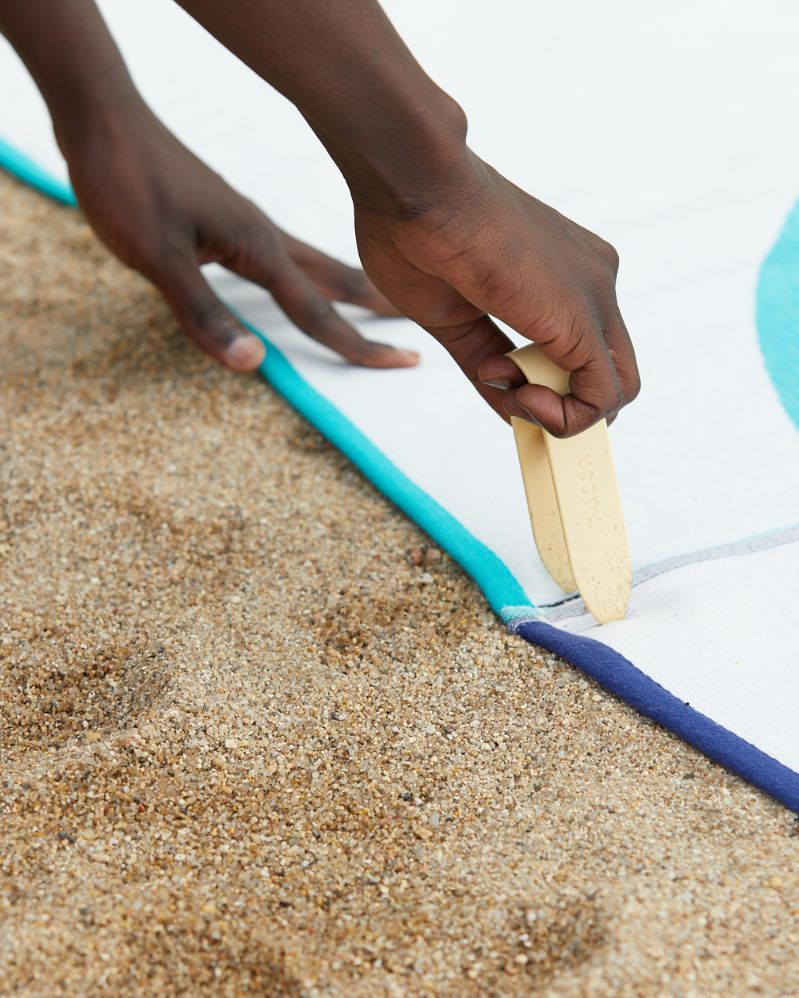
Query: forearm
(382, 119)
(72, 57)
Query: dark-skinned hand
(477, 246)
(165, 213)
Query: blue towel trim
(620, 677)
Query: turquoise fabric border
(490, 573)
(777, 306)
(23, 168)
(498, 584)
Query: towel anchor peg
(573, 499)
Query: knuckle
(280, 269)
(606, 251)
(562, 322)
(208, 313)
(155, 261)
(578, 339)
(601, 284)
(256, 251)
(316, 311)
(613, 401)
(162, 260)
(358, 351)
(610, 255)
(574, 421)
(265, 241)
(353, 283)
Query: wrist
(70, 54)
(81, 112)
(395, 163)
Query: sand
(248, 747)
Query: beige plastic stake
(574, 503)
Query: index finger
(595, 393)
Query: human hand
(164, 213)
(448, 240)
(472, 245)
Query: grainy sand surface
(247, 748)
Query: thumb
(206, 320)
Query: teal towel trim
(777, 313)
(18, 164)
(491, 574)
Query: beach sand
(247, 747)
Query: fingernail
(529, 416)
(244, 353)
(410, 357)
(502, 383)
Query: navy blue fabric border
(620, 677)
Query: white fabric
(670, 130)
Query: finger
(560, 415)
(576, 343)
(308, 309)
(622, 354)
(594, 393)
(471, 345)
(336, 280)
(205, 319)
(499, 371)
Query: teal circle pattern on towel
(777, 314)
